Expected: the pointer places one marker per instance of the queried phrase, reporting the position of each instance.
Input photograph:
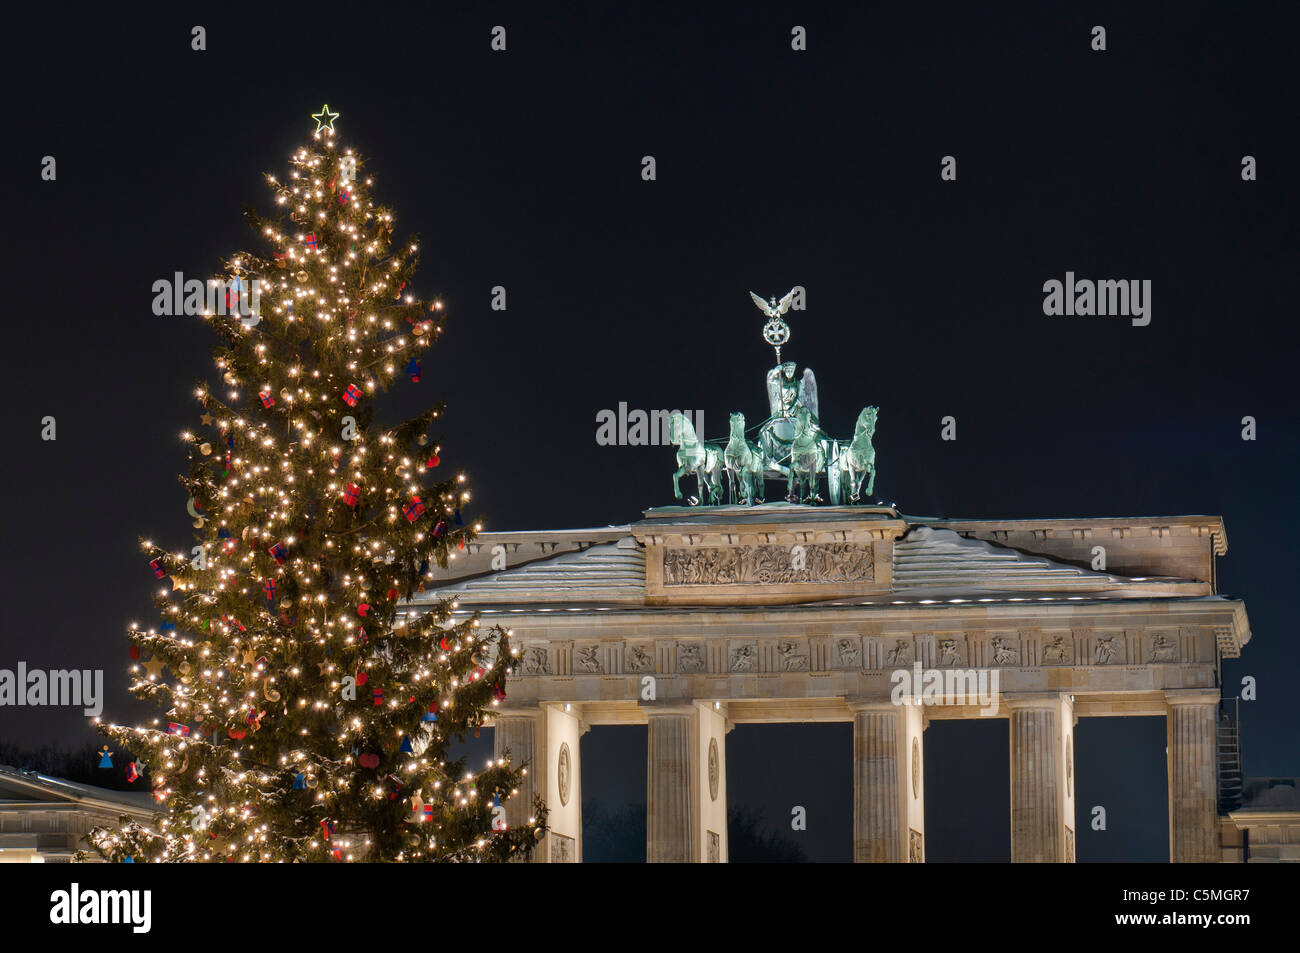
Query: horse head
(678, 427)
(867, 421)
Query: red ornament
(362, 678)
(369, 760)
(352, 395)
(267, 399)
(432, 462)
(440, 530)
(413, 509)
(237, 733)
(134, 652)
(392, 594)
(156, 566)
(363, 609)
(352, 494)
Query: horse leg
(872, 482)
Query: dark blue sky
(775, 168)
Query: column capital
(675, 708)
(1024, 700)
(500, 713)
(857, 705)
(1192, 696)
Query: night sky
(774, 168)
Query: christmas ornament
(440, 530)
(105, 759)
(428, 813)
(431, 715)
(362, 678)
(177, 729)
(405, 746)
(237, 733)
(133, 771)
(327, 828)
(299, 782)
(432, 462)
(325, 120)
(134, 652)
(369, 760)
(352, 395)
(363, 609)
(379, 696)
(352, 494)
(413, 509)
(278, 553)
(267, 399)
(392, 594)
(413, 370)
(310, 242)
(458, 519)
(268, 586)
(205, 448)
(156, 566)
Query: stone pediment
(784, 554)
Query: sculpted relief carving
(714, 771)
(1057, 649)
(690, 657)
(1163, 648)
(1005, 652)
(561, 849)
(563, 773)
(742, 659)
(791, 659)
(640, 658)
(819, 563)
(536, 660)
(1103, 650)
(850, 652)
(950, 652)
(900, 654)
(589, 658)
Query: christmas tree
(308, 705)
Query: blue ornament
(299, 783)
(406, 745)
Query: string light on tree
(316, 524)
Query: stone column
(669, 821)
(515, 736)
(888, 786)
(1193, 784)
(1042, 801)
